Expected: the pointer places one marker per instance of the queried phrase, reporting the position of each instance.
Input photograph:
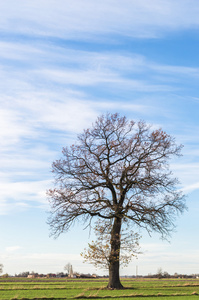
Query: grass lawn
(16, 288)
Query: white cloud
(188, 174)
(76, 19)
(13, 248)
(106, 79)
(11, 127)
(18, 52)
(52, 91)
(67, 72)
(53, 256)
(39, 262)
(177, 70)
(21, 195)
(191, 187)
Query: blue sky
(63, 63)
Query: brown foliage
(99, 251)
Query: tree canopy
(118, 170)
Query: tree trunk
(114, 263)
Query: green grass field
(16, 288)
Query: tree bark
(114, 262)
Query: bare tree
(1, 268)
(159, 273)
(98, 252)
(118, 170)
(67, 267)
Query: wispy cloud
(188, 175)
(86, 20)
(20, 196)
(191, 187)
(62, 89)
(13, 128)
